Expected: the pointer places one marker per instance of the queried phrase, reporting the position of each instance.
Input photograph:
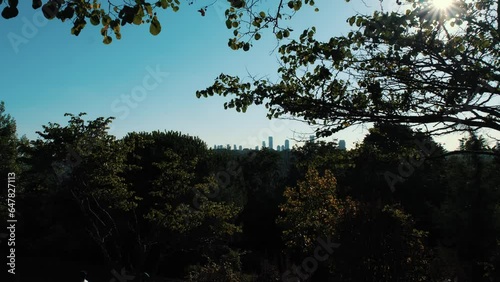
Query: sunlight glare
(442, 4)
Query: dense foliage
(246, 18)
(162, 203)
(396, 207)
(419, 65)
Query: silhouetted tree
(416, 66)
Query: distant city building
(311, 138)
(270, 145)
(342, 144)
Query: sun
(442, 4)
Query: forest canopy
(161, 204)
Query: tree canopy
(420, 65)
(165, 204)
(244, 17)
(8, 143)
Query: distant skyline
(149, 82)
(285, 145)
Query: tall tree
(468, 219)
(420, 65)
(8, 156)
(8, 144)
(82, 162)
(372, 243)
(182, 212)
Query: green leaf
(115, 25)
(297, 5)
(359, 21)
(279, 35)
(164, 4)
(149, 9)
(12, 3)
(237, 3)
(49, 10)
(94, 18)
(36, 4)
(262, 14)
(106, 20)
(155, 27)
(352, 20)
(257, 36)
(107, 40)
(137, 20)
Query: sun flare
(442, 4)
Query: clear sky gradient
(47, 72)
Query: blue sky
(53, 72)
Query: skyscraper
(311, 138)
(263, 144)
(235, 148)
(342, 144)
(270, 142)
(287, 144)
